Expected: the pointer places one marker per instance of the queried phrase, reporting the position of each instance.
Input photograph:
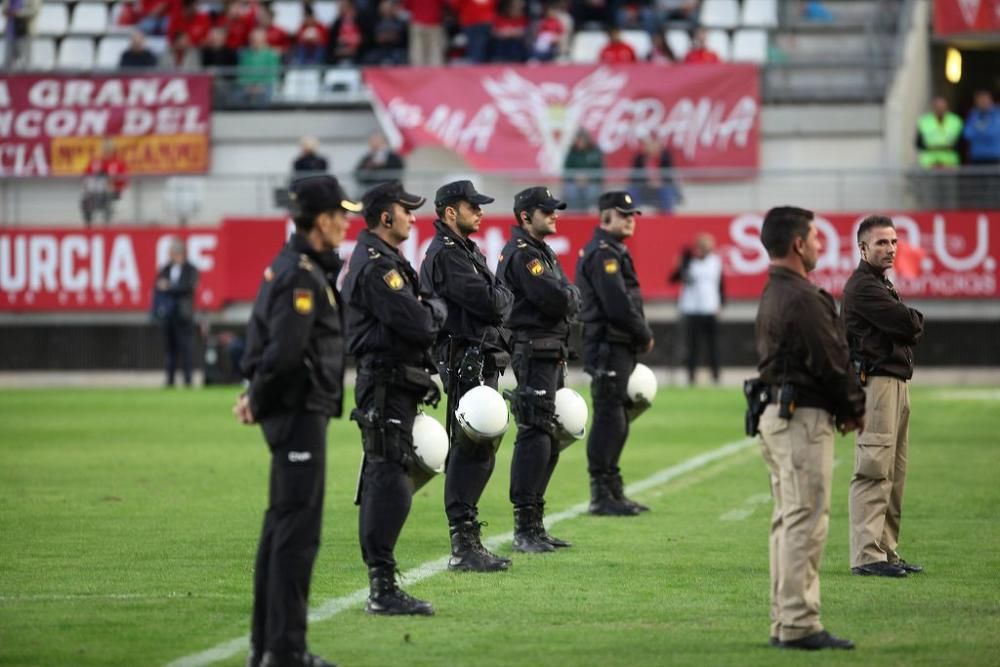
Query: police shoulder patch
(535, 267)
(611, 266)
(302, 301)
(394, 280)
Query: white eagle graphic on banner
(970, 10)
(550, 114)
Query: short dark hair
(304, 222)
(871, 222)
(451, 203)
(781, 225)
(373, 212)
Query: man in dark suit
(175, 286)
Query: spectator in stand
(427, 37)
(599, 12)
(661, 53)
(190, 19)
(699, 53)
(815, 11)
(550, 33)
(346, 43)
(216, 54)
(20, 16)
(938, 134)
(277, 39)
(182, 55)
(638, 14)
(259, 69)
(652, 181)
(475, 18)
(176, 283)
(678, 10)
(310, 42)
(583, 173)
(137, 56)
(152, 16)
(700, 274)
(309, 162)
(105, 179)
(510, 32)
(388, 36)
(379, 165)
(982, 131)
(238, 19)
(616, 51)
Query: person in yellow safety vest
(938, 134)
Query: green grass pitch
(129, 519)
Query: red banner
(958, 16)
(506, 118)
(53, 125)
(943, 255)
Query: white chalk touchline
(332, 607)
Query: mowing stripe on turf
(331, 608)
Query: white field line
(56, 597)
(747, 508)
(332, 607)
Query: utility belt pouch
(786, 401)
(758, 395)
(418, 380)
(372, 431)
(532, 407)
(496, 361)
(549, 349)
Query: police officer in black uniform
(471, 349)
(614, 331)
(390, 330)
(295, 366)
(544, 303)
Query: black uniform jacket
(612, 304)
(544, 300)
(881, 330)
(295, 348)
(384, 312)
(455, 270)
(800, 340)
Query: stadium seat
(719, 14)
(679, 42)
(342, 79)
(287, 16)
(750, 46)
(718, 41)
(301, 85)
(52, 19)
(76, 53)
(325, 12)
(587, 45)
(109, 51)
(42, 53)
(760, 14)
(89, 18)
(3, 53)
(640, 41)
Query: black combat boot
(603, 502)
(468, 553)
(618, 493)
(303, 659)
(551, 539)
(529, 537)
(386, 598)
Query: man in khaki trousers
(803, 358)
(881, 332)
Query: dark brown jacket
(881, 330)
(801, 340)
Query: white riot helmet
(430, 449)
(641, 390)
(482, 414)
(571, 417)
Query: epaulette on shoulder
(447, 241)
(373, 253)
(305, 263)
(602, 245)
(521, 243)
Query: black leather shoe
(272, 659)
(818, 641)
(253, 658)
(879, 569)
(909, 567)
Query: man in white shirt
(700, 300)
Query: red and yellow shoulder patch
(535, 267)
(611, 266)
(394, 280)
(302, 301)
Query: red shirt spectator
(238, 22)
(475, 12)
(311, 32)
(113, 167)
(701, 55)
(425, 12)
(510, 27)
(617, 53)
(193, 22)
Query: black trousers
(290, 537)
(610, 365)
(535, 450)
(386, 488)
(701, 332)
(469, 467)
(178, 336)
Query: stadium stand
(750, 45)
(723, 14)
(53, 20)
(42, 53)
(89, 18)
(109, 51)
(76, 53)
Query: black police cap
(537, 197)
(459, 190)
(392, 192)
(619, 200)
(313, 195)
